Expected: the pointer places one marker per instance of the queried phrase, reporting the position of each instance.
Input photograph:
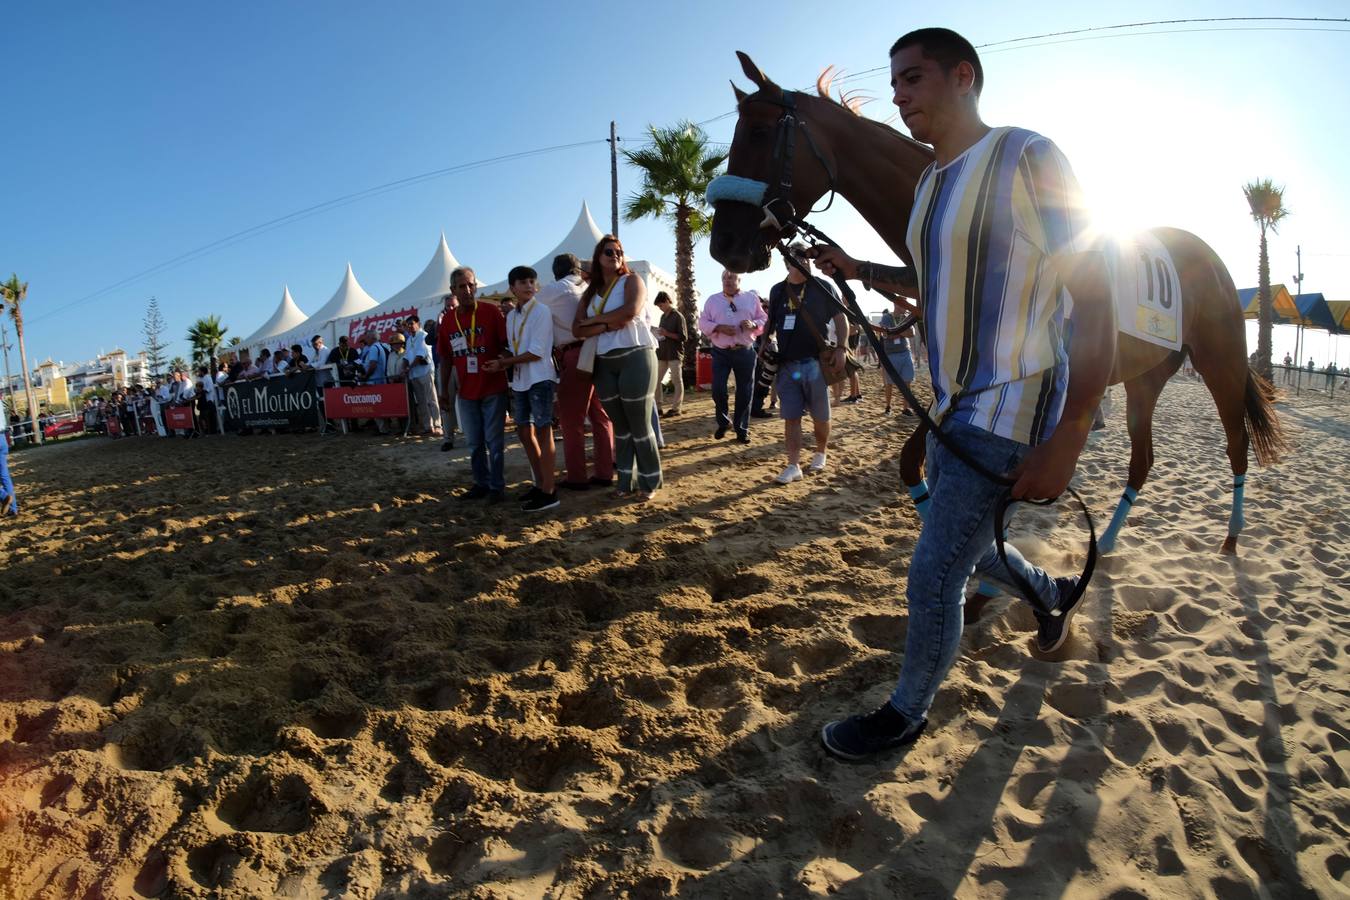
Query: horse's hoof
(1230, 545)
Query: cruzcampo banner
(286, 401)
(374, 401)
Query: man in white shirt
(422, 377)
(529, 335)
(182, 393)
(576, 397)
(162, 397)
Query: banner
(382, 323)
(178, 417)
(287, 401)
(61, 429)
(376, 401)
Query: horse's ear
(740, 94)
(752, 71)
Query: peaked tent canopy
(349, 300)
(425, 296)
(287, 316)
(581, 240)
(1314, 312)
(1340, 309)
(1280, 299)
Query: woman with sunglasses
(613, 311)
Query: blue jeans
(957, 540)
(484, 424)
(741, 361)
(6, 483)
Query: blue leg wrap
(921, 497)
(1236, 520)
(1108, 541)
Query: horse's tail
(1263, 424)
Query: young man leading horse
(997, 238)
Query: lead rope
(854, 312)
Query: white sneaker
(790, 474)
(817, 464)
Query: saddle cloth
(1147, 290)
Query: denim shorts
(535, 406)
(801, 387)
(904, 366)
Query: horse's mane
(852, 102)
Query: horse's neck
(880, 174)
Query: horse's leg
(1227, 383)
(1141, 397)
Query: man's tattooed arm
(896, 279)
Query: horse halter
(775, 198)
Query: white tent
(287, 316)
(581, 240)
(348, 301)
(424, 296)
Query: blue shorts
(904, 366)
(535, 406)
(801, 387)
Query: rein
(853, 311)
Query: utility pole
(614, 180)
(4, 344)
(1298, 336)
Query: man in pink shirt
(732, 320)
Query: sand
(287, 666)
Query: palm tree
(676, 169)
(1267, 206)
(206, 336)
(14, 291)
(178, 364)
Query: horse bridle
(778, 208)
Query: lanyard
(522, 317)
(473, 329)
(604, 300)
(795, 302)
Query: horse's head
(774, 170)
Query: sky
(142, 132)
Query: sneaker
(790, 474)
(858, 737)
(760, 414)
(743, 437)
(477, 492)
(540, 502)
(530, 494)
(448, 445)
(1053, 630)
(721, 431)
(817, 464)
(855, 398)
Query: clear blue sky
(138, 132)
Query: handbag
(832, 375)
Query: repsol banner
(375, 401)
(287, 401)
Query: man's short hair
(412, 319)
(317, 337)
(944, 47)
(521, 273)
(342, 339)
(264, 352)
(296, 348)
(459, 272)
(661, 297)
(565, 264)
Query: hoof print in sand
(538, 764)
(702, 844)
(270, 802)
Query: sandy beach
(292, 666)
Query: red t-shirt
(487, 341)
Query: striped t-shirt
(985, 233)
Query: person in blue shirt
(9, 499)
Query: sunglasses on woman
(612, 253)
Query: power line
(307, 212)
(1025, 42)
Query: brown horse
(831, 148)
